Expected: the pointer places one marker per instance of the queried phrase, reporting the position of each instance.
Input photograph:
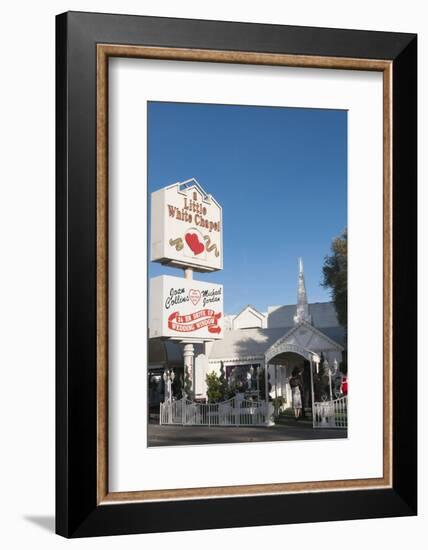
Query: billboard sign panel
(185, 309)
(186, 227)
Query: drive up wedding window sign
(235, 274)
(175, 308)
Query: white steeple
(302, 309)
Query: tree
(223, 381)
(177, 385)
(214, 387)
(335, 276)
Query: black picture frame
(78, 513)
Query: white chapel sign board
(185, 309)
(186, 227)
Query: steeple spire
(302, 309)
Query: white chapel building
(279, 339)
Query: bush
(215, 387)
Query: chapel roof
(254, 342)
(323, 315)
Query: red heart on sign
(195, 296)
(194, 243)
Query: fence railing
(331, 414)
(234, 412)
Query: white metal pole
(312, 390)
(258, 382)
(188, 349)
(268, 419)
(276, 390)
(188, 357)
(188, 273)
(266, 382)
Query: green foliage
(230, 391)
(177, 385)
(215, 388)
(280, 400)
(335, 276)
(223, 381)
(278, 403)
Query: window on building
(243, 378)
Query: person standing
(296, 394)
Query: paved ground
(286, 429)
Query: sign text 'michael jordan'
(184, 308)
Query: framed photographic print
(236, 274)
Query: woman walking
(296, 394)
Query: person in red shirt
(344, 385)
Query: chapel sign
(185, 309)
(186, 227)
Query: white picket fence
(331, 414)
(234, 412)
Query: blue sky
(280, 175)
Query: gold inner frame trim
(104, 51)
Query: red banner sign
(190, 323)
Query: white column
(266, 382)
(269, 406)
(311, 366)
(316, 360)
(329, 383)
(188, 273)
(189, 357)
(276, 390)
(328, 371)
(258, 381)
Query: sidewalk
(286, 429)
